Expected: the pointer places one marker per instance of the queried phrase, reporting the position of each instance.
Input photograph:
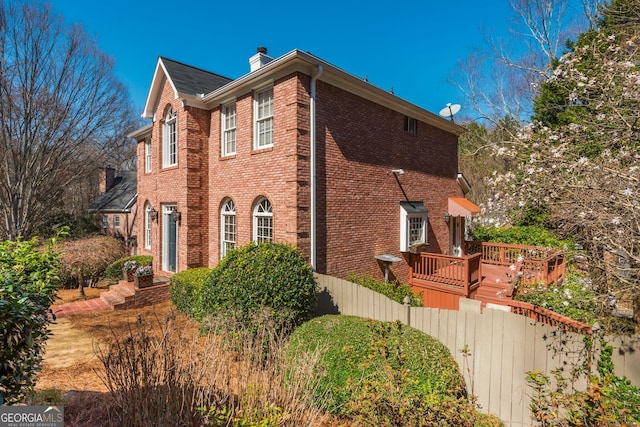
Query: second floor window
(263, 119)
(229, 130)
(147, 156)
(170, 140)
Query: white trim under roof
(306, 63)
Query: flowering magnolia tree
(580, 171)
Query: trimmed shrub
(83, 261)
(114, 270)
(185, 289)
(395, 290)
(529, 235)
(28, 282)
(257, 276)
(354, 349)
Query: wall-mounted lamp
(447, 217)
(153, 214)
(175, 216)
(398, 171)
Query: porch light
(153, 214)
(175, 216)
(447, 217)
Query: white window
(105, 221)
(263, 119)
(147, 226)
(169, 140)
(147, 156)
(413, 225)
(263, 222)
(229, 130)
(228, 224)
(116, 221)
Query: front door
(170, 240)
(456, 233)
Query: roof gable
(120, 197)
(185, 80)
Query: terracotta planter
(128, 275)
(143, 281)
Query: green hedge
(185, 289)
(257, 276)
(346, 344)
(529, 235)
(395, 291)
(114, 270)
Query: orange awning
(459, 206)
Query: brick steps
(124, 295)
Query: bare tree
(60, 110)
(501, 78)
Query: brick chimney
(107, 178)
(260, 58)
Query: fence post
(407, 309)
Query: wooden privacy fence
(494, 349)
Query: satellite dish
(450, 110)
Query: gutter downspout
(312, 111)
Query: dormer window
(169, 139)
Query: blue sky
(410, 46)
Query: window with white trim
(413, 225)
(116, 221)
(105, 221)
(170, 139)
(147, 226)
(229, 129)
(263, 221)
(263, 114)
(147, 156)
(228, 228)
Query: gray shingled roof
(192, 80)
(119, 197)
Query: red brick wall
(183, 184)
(250, 174)
(359, 143)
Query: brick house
(295, 151)
(117, 205)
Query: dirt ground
(70, 362)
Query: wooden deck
(489, 273)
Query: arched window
(262, 221)
(227, 227)
(147, 225)
(169, 139)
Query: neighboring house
(117, 204)
(295, 151)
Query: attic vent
(260, 58)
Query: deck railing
(538, 264)
(548, 317)
(446, 269)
